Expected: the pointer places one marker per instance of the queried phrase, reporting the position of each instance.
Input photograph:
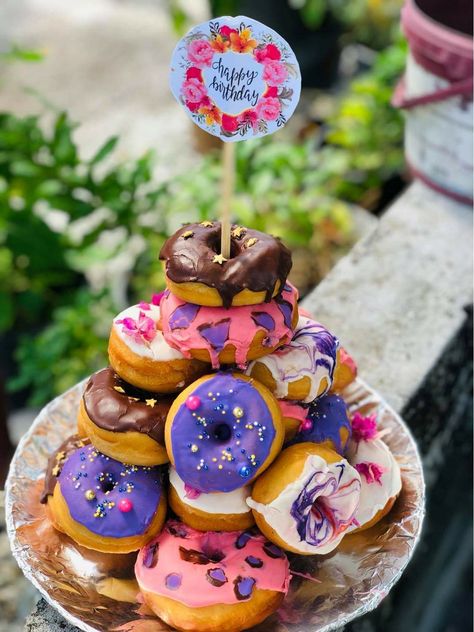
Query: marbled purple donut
(326, 421)
(221, 435)
(107, 497)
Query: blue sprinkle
(238, 435)
(243, 450)
(229, 449)
(244, 471)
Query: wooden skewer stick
(228, 183)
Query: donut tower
(218, 438)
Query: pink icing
(199, 328)
(345, 358)
(205, 568)
(292, 410)
(364, 428)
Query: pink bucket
(436, 93)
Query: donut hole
(222, 433)
(107, 485)
(215, 246)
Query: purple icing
(262, 319)
(286, 309)
(239, 444)
(150, 557)
(316, 522)
(328, 416)
(173, 581)
(216, 577)
(242, 540)
(183, 316)
(111, 481)
(254, 562)
(243, 587)
(217, 334)
(272, 550)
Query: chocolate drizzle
(56, 461)
(193, 556)
(256, 267)
(114, 405)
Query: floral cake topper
(236, 78)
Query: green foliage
(17, 53)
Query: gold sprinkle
(134, 399)
(90, 494)
(206, 224)
(187, 234)
(60, 456)
(119, 389)
(194, 448)
(238, 412)
(220, 466)
(56, 470)
(250, 242)
(238, 232)
(150, 402)
(219, 259)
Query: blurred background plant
(79, 238)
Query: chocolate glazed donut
(114, 405)
(258, 262)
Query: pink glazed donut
(227, 336)
(211, 580)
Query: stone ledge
(397, 299)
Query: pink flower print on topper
(274, 73)
(267, 53)
(372, 472)
(194, 91)
(269, 108)
(364, 428)
(156, 298)
(200, 52)
(142, 330)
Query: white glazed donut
(380, 477)
(303, 369)
(140, 355)
(306, 500)
(219, 511)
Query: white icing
(342, 501)
(299, 359)
(218, 503)
(374, 496)
(158, 349)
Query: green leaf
(16, 53)
(104, 151)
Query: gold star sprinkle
(219, 259)
(55, 471)
(60, 456)
(134, 399)
(150, 402)
(119, 389)
(238, 232)
(251, 242)
(206, 224)
(187, 234)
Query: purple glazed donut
(223, 431)
(326, 422)
(104, 504)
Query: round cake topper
(236, 78)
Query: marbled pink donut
(205, 568)
(187, 326)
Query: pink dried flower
(156, 298)
(141, 330)
(371, 471)
(364, 428)
(144, 306)
(191, 492)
